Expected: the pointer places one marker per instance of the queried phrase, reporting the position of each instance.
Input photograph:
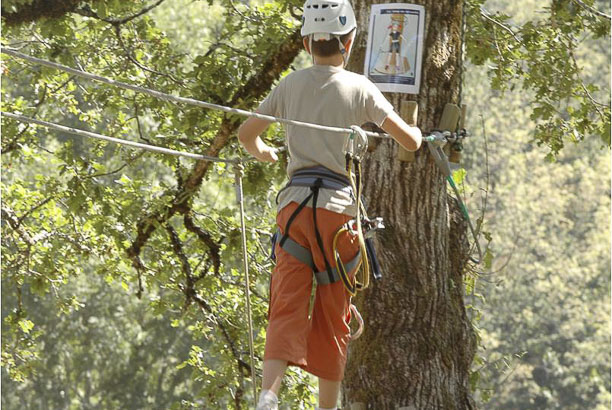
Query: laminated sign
(395, 47)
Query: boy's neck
(335, 60)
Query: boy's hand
(409, 137)
(248, 134)
(269, 154)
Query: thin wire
(177, 99)
(240, 199)
(89, 134)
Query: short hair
(328, 48)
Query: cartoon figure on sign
(395, 62)
(391, 60)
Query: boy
(322, 94)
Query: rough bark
(418, 342)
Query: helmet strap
(310, 47)
(343, 51)
(345, 55)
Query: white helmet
(324, 19)
(335, 17)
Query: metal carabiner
(356, 143)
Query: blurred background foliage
(75, 334)
(542, 309)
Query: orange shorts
(318, 343)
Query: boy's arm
(407, 136)
(248, 135)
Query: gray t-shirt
(325, 95)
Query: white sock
(267, 400)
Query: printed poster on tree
(395, 47)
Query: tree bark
(38, 9)
(418, 342)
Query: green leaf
(26, 325)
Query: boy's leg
(329, 390)
(288, 327)
(330, 333)
(273, 371)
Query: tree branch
(243, 367)
(34, 208)
(116, 21)
(177, 246)
(252, 90)
(592, 9)
(37, 9)
(214, 248)
(488, 17)
(138, 14)
(130, 56)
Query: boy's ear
(306, 45)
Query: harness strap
(293, 216)
(315, 195)
(306, 177)
(303, 255)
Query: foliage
(71, 207)
(540, 55)
(542, 300)
(543, 303)
(87, 227)
(103, 350)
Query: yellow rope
(353, 286)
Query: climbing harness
(317, 178)
(361, 226)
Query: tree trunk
(418, 342)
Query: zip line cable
(177, 99)
(89, 134)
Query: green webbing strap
(466, 215)
(297, 251)
(442, 162)
(461, 204)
